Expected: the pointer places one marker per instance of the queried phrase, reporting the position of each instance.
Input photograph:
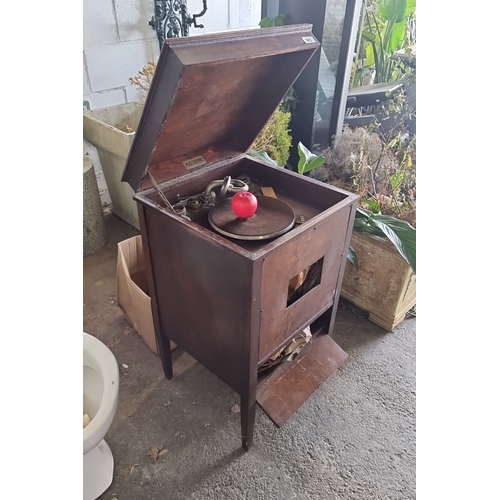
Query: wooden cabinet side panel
(203, 295)
(326, 239)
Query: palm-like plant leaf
(307, 160)
(372, 57)
(387, 9)
(386, 31)
(397, 36)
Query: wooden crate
(384, 284)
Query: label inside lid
(197, 161)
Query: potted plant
(380, 277)
(378, 163)
(381, 168)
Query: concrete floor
(354, 438)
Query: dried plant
(380, 173)
(143, 79)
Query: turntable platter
(273, 218)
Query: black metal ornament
(171, 19)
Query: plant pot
(111, 130)
(384, 284)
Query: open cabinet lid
(211, 95)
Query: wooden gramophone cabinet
(225, 301)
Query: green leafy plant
(289, 102)
(268, 22)
(385, 30)
(307, 160)
(263, 156)
(275, 138)
(400, 233)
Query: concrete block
(104, 99)
(234, 14)
(134, 94)
(214, 20)
(132, 18)
(99, 23)
(154, 47)
(244, 14)
(86, 83)
(255, 14)
(111, 66)
(94, 228)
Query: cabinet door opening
(304, 282)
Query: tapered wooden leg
(166, 357)
(162, 342)
(247, 421)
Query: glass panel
(329, 56)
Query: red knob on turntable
(244, 205)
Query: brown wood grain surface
(289, 385)
(205, 93)
(324, 240)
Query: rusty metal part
(227, 185)
(194, 203)
(252, 186)
(160, 192)
(174, 208)
(245, 178)
(179, 209)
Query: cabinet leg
(247, 421)
(166, 357)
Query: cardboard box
(132, 290)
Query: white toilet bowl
(100, 398)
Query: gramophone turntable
(272, 217)
(234, 291)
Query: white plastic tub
(111, 130)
